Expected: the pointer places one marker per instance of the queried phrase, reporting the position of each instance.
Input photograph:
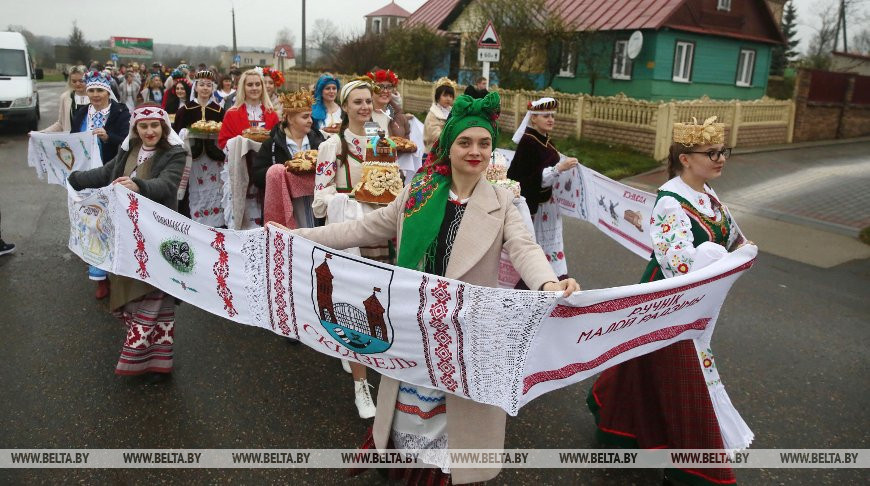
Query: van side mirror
(39, 73)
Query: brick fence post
(802, 85)
(844, 110)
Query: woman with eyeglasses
(663, 399)
(71, 100)
(388, 104)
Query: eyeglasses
(714, 155)
(385, 87)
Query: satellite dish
(635, 42)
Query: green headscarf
(430, 188)
(468, 112)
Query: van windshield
(12, 63)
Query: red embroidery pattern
(564, 311)
(415, 410)
(290, 287)
(423, 329)
(574, 368)
(269, 276)
(221, 270)
(279, 285)
(139, 253)
(438, 311)
(460, 356)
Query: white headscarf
(533, 110)
(352, 85)
(150, 113)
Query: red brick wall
(827, 121)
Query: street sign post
(488, 49)
(237, 59)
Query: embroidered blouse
(332, 176)
(674, 245)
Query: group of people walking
(448, 221)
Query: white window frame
(724, 5)
(622, 65)
(568, 67)
(684, 56)
(376, 25)
(745, 67)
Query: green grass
(864, 235)
(614, 161)
(52, 77)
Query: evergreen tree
(784, 54)
(79, 49)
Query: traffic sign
(489, 38)
(237, 59)
(282, 52)
(114, 57)
(487, 54)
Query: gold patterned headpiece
(709, 132)
(297, 101)
(445, 82)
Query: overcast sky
(199, 22)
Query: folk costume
(171, 102)
(202, 202)
(277, 78)
(114, 118)
(534, 167)
(148, 313)
(436, 117)
(278, 149)
(391, 118)
(336, 175)
(70, 102)
(459, 239)
(319, 113)
(673, 398)
(244, 115)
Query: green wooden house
(690, 48)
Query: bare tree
(527, 29)
(822, 43)
(861, 41)
(326, 40)
(284, 36)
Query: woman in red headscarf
(388, 104)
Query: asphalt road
(791, 344)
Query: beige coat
(63, 123)
(490, 222)
(432, 126)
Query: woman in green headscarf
(450, 222)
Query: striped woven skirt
(150, 322)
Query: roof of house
(288, 48)
(610, 15)
(390, 10)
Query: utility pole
(235, 49)
(302, 53)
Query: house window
(745, 67)
(263, 61)
(621, 62)
(568, 64)
(724, 5)
(683, 56)
(376, 26)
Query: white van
(19, 100)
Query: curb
(798, 146)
